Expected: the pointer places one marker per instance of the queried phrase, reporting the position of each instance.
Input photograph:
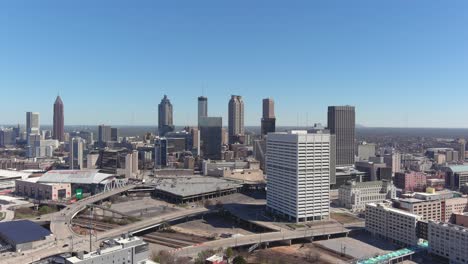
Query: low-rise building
(355, 195)
(128, 250)
(30, 188)
(23, 235)
(396, 225)
(448, 241)
(437, 206)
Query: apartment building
(395, 225)
(448, 241)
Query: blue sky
(401, 63)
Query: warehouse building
(23, 235)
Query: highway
(283, 235)
(60, 227)
(151, 222)
(65, 237)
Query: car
(64, 246)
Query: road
(60, 227)
(283, 235)
(66, 238)
(151, 222)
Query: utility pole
(90, 229)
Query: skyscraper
(160, 151)
(32, 125)
(114, 134)
(268, 117)
(341, 123)
(211, 137)
(58, 130)
(298, 171)
(236, 118)
(104, 134)
(165, 119)
(462, 150)
(202, 107)
(76, 153)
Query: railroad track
(154, 238)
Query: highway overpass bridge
(256, 240)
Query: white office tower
(298, 175)
(32, 123)
(76, 153)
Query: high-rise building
(32, 124)
(202, 107)
(268, 117)
(76, 153)
(366, 151)
(341, 123)
(58, 130)
(7, 137)
(236, 118)
(114, 134)
(298, 171)
(161, 153)
(211, 137)
(165, 114)
(104, 134)
(462, 150)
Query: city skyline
(308, 52)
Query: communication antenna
(297, 121)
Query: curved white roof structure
(76, 177)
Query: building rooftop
(194, 185)
(76, 177)
(365, 184)
(109, 247)
(22, 231)
(458, 168)
(10, 174)
(395, 210)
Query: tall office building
(114, 134)
(236, 118)
(76, 153)
(58, 130)
(462, 150)
(7, 137)
(268, 117)
(32, 124)
(202, 107)
(341, 123)
(160, 152)
(211, 137)
(298, 171)
(104, 134)
(165, 117)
